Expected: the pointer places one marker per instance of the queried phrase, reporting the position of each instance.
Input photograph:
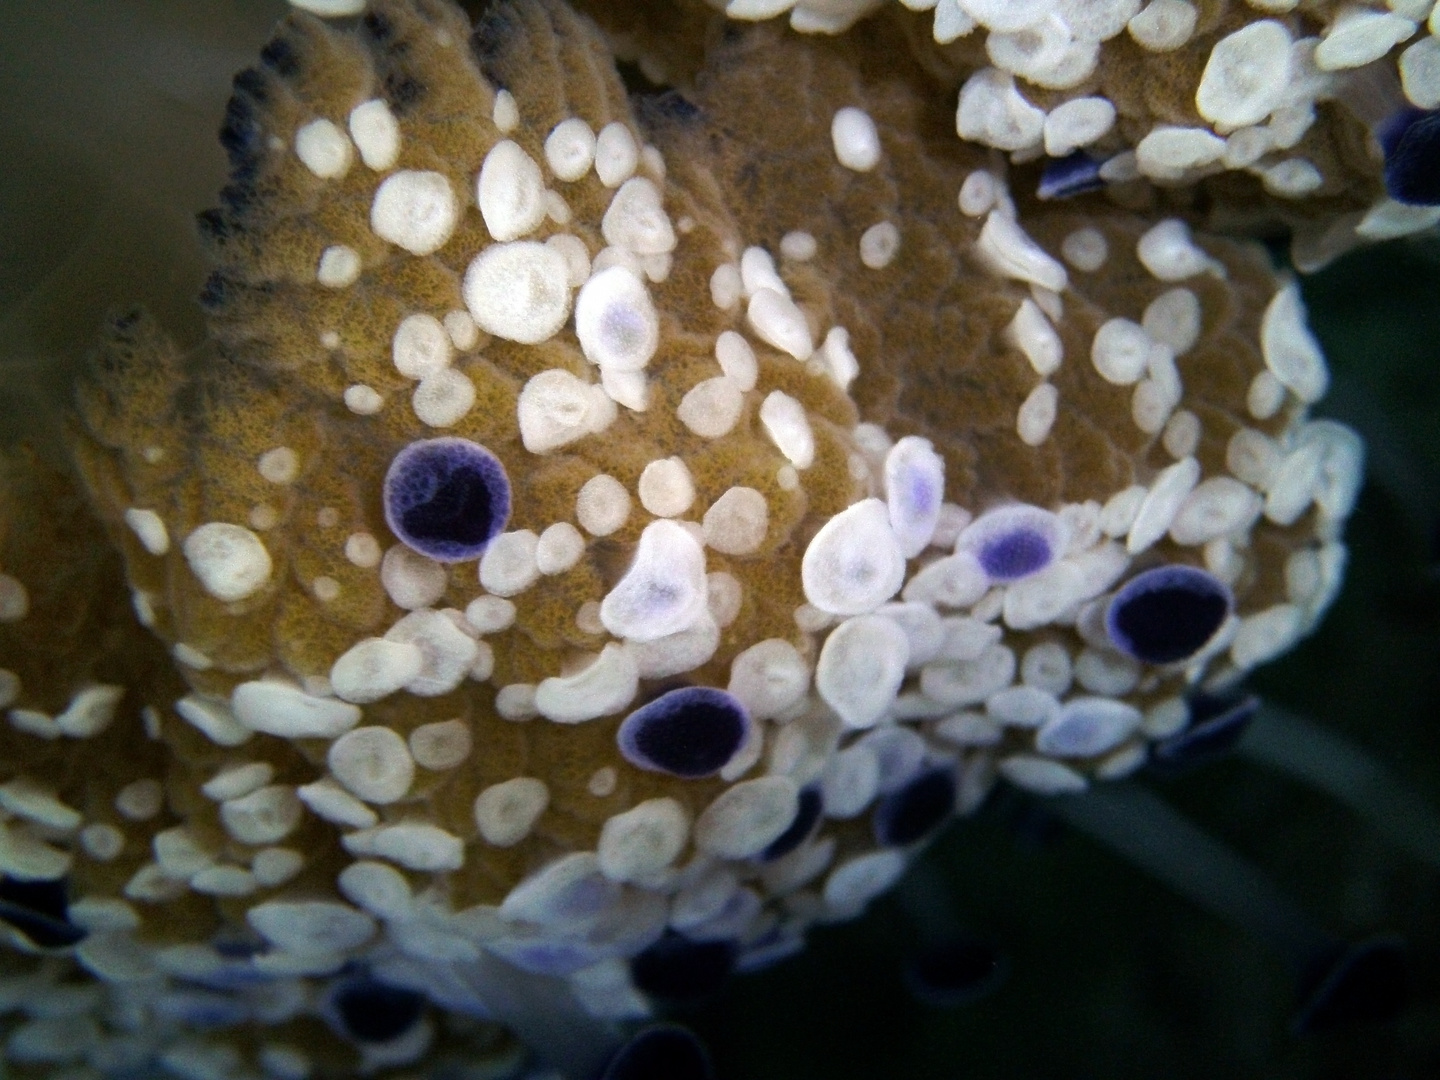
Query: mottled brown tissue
(929, 327)
(751, 161)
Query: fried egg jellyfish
(664, 486)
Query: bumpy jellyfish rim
(431, 468)
(658, 720)
(1170, 642)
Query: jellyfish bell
(886, 566)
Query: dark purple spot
(233, 944)
(1015, 555)
(446, 498)
(1167, 614)
(202, 1009)
(799, 830)
(1074, 174)
(690, 733)
(1411, 142)
(679, 971)
(375, 1012)
(1216, 726)
(922, 805)
(953, 973)
(661, 1052)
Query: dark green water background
(107, 115)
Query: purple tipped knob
(799, 830)
(1216, 726)
(1411, 141)
(446, 498)
(690, 733)
(1015, 555)
(1073, 175)
(1012, 543)
(917, 809)
(375, 1012)
(1167, 614)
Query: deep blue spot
(240, 196)
(679, 971)
(446, 498)
(690, 732)
(238, 945)
(669, 105)
(375, 1012)
(201, 1009)
(1216, 726)
(953, 973)
(378, 27)
(661, 1052)
(907, 815)
(1072, 175)
(1015, 555)
(1354, 984)
(40, 911)
(214, 225)
(1167, 614)
(1411, 141)
(799, 830)
(241, 134)
(251, 83)
(403, 92)
(280, 57)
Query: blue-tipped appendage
(446, 498)
(690, 733)
(1410, 139)
(1167, 614)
